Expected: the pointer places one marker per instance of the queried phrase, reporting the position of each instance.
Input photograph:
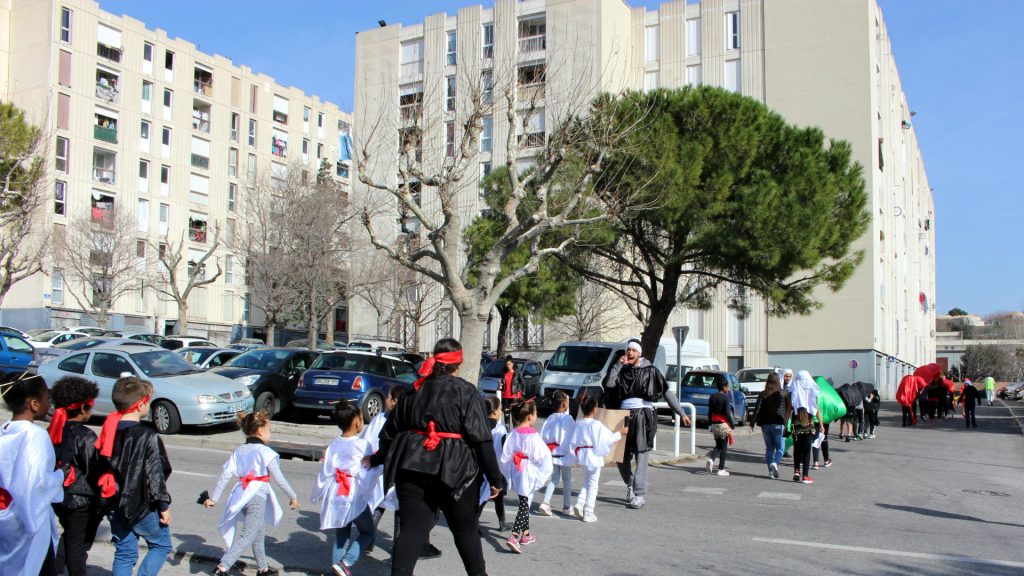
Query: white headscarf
(782, 378)
(804, 392)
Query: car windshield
(755, 375)
(586, 359)
(672, 372)
(260, 359)
(45, 336)
(700, 380)
(196, 355)
(82, 343)
(336, 362)
(158, 363)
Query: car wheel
(266, 402)
(373, 404)
(165, 418)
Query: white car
(176, 342)
(90, 330)
(54, 337)
(205, 358)
(182, 395)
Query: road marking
(704, 490)
(779, 495)
(186, 473)
(905, 554)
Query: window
(74, 364)
(229, 270)
(165, 218)
(147, 52)
(107, 365)
(168, 60)
(486, 134)
(61, 154)
(533, 134)
(279, 143)
(280, 109)
(412, 57)
(108, 43)
(449, 94)
(530, 81)
(104, 166)
(250, 169)
(232, 196)
(197, 227)
(235, 120)
(201, 116)
(693, 37)
(319, 119)
(165, 174)
(693, 75)
(487, 34)
(144, 130)
(57, 286)
(253, 93)
(341, 169)
(732, 30)
(140, 248)
(194, 259)
(305, 149)
(650, 81)
(200, 157)
(733, 72)
(65, 25)
(165, 136)
(452, 51)
(63, 111)
(410, 100)
(142, 214)
(252, 132)
(233, 162)
(59, 191)
(202, 81)
(143, 171)
(487, 86)
(485, 171)
(64, 69)
(449, 138)
(102, 207)
(107, 86)
(147, 91)
(229, 231)
(532, 34)
(168, 97)
(651, 43)
(319, 151)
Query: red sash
(105, 444)
(578, 448)
(70, 478)
(434, 437)
(344, 480)
(60, 416)
(252, 477)
(719, 419)
(518, 458)
(5, 499)
(552, 446)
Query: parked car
(90, 330)
(15, 355)
(206, 358)
(753, 379)
(303, 343)
(698, 386)
(181, 394)
(271, 374)
(61, 350)
(37, 331)
(175, 342)
(53, 338)
(410, 357)
(386, 346)
(362, 377)
(530, 371)
(143, 336)
(15, 331)
(246, 344)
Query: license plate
(325, 381)
(700, 396)
(237, 407)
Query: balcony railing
(412, 68)
(200, 161)
(410, 111)
(202, 87)
(107, 92)
(530, 92)
(105, 134)
(104, 175)
(108, 52)
(201, 124)
(533, 43)
(531, 140)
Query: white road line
(198, 474)
(704, 490)
(905, 554)
(780, 495)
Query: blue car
(698, 386)
(361, 377)
(15, 355)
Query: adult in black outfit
(435, 444)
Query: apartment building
(825, 64)
(150, 125)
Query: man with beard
(634, 384)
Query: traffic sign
(854, 364)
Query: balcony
(200, 161)
(197, 230)
(537, 43)
(531, 140)
(411, 68)
(202, 82)
(201, 117)
(278, 147)
(105, 134)
(104, 166)
(530, 92)
(108, 52)
(105, 90)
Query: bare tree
(596, 315)
(98, 254)
(181, 269)
(377, 279)
(428, 179)
(23, 185)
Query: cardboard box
(615, 420)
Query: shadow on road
(942, 514)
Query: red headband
(427, 368)
(105, 443)
(60, 417)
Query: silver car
(61, 350)
(181, 394)
(206, 358)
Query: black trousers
(908, 416)
(721, 449)
(49, 567)
(499, 507)
(969, 420)
(802, 453)
(79, 532)
(420, 497)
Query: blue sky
(960, 63)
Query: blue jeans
(563, 473)
(774, 445)
(346, 549)
(126, 544)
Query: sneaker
(710, 466)
(544, 509)
(340, 569)
(847, 439)
(807, 480)
(567, 511)
(814, 466)
(504, 526)
(429, 551)
(577, 510)
(637, 503)
(722, 472)
(218, 572)
(268, 572)
(773, 470)
(527, 540)
(871, 436)
(828, 463)
(796, 477)
(513, 544)
(629, 494)
(590, 518)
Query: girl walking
(804, 406)
(526, 462)
(720, 415)
(591, 442)
(252, 501)
(498, 434)
(556, 433)
(771, 411)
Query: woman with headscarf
(804, 407)
(435, 444)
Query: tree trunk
(314, 322)
(473, 325)
(382, 324)
(661, 309)
(329, 328)
(183, 317)
(271, 333)
(504, 320)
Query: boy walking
(140, 467)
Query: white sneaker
(722, 472)
(710, 466)
(629, 494)
(773, 470)
(589, 518)
(871, 436)
(576, 510)
(544, 509)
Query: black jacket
(771, 410)
(517, 385)
(719, 405)
(77, 452)
(141, 469)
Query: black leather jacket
(141, 469)
(77, 451)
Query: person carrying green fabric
(990, 389)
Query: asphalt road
(934, 500)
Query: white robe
(558, 429)
(594, 441)
(28, 526)
(372, 436)
(338, 511)
(498, 434)
(535, 470)
(254, 458)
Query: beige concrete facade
(826, 64)
(72, 67)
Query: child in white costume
(252, 501)
(556, 433)
(498, 434)
(591, 442)
(345, 489)
(29, 485)
(526, 463)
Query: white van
(696, 356)
(579, 368)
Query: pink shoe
(513, 544)
(527, 540)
